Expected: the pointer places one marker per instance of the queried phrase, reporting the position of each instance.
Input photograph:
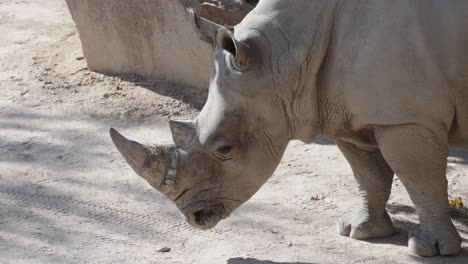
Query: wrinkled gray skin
(387, 80)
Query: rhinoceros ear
(206, 30)
(184, 133)
(244, 55)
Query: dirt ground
(67, 196)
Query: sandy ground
(66, 195)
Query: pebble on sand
(165, 249)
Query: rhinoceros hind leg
(418, 155)
(374, 176)
(428, 242)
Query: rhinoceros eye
(224, 149)
(225, 152)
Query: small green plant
(457, 208)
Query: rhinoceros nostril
(199, 217)
(203, 217)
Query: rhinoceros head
(222, 158)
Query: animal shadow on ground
(461, 258)
(460, 154)
(256, 261)
(402, 227)
(323, 141)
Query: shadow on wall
(190, 95)
(256, 261)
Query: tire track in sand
(114, 220)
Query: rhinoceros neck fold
(169, 176)
(161, 164)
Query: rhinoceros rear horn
(134, 153)
(184, 133)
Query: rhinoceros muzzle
(158, 165)
(205, 215)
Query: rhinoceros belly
(459, 131)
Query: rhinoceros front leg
(374, 176)
(418, 156)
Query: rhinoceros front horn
(156, 164)
(134, 153)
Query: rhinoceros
(386, 80)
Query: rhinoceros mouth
(206, 218)
(204, 215)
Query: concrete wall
(152, 38)
(222, 12)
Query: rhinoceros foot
(362, 225)
(429, 240)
